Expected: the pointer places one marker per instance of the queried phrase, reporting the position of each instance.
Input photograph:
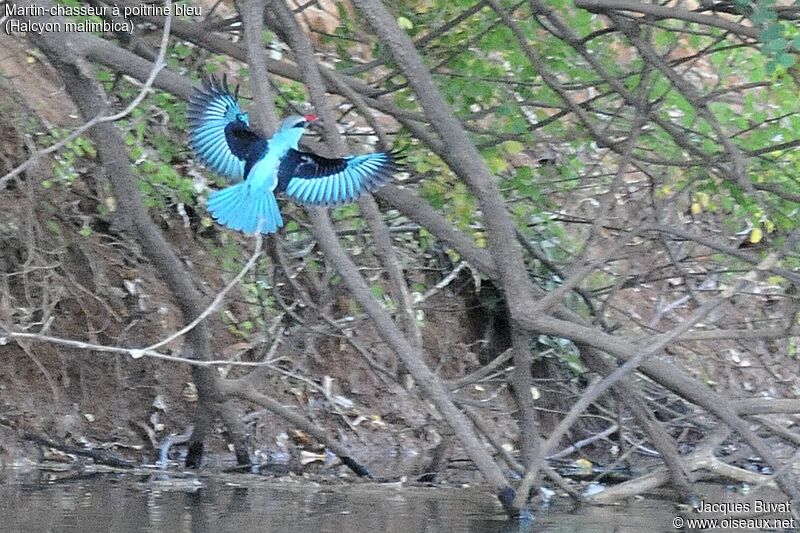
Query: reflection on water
(127, 504)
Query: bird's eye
(300, 124)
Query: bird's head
(297, 121)
(294, 126)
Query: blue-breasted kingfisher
(223, 140)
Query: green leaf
(763, 14)
(776, 45)
(770, 33)
(497, 164)
(404, 23)
(377, 291)
(513, 147)
(785, 60)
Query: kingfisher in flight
(223, 141)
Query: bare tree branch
(323, 231)
(663, 12)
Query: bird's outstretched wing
(311, 179)
(220, 132)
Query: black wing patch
(315, 180)
(296, 164)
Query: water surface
(243, 503)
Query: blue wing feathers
(220, 132)
(241, 206)
(314, 180)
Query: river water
(39, 502)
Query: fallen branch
(98, 456)
(245, 391)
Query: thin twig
(447, 280)
(136, 353)
(218, 299)
(150, 350)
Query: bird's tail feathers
(240, 207)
